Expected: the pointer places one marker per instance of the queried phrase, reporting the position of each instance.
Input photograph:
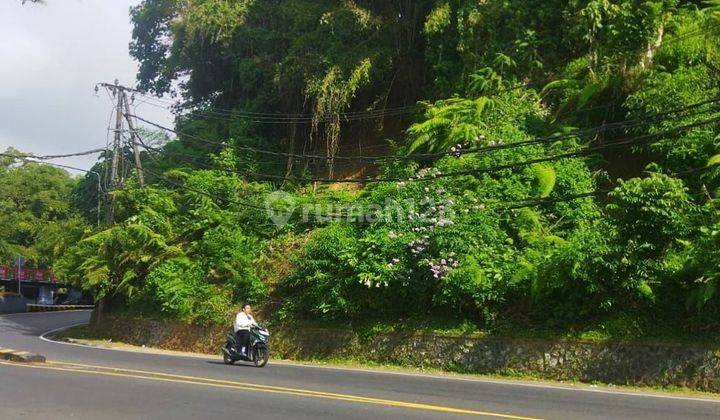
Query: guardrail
(31, 307)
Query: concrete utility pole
(116, 151)
(134, 139)
(122, 112)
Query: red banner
(21, 274)
(27, 274)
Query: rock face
(610, 362)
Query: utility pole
(117, 151)
(19, 262)
(134, 138)
(122, 111)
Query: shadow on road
(240, 364)
(34, 324)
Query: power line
(515, 165)
(539, 202)
(496, 168)
(85, 153)
(517, 205)
(576, 133)
(497, 205)
(210, 195)
(488, 148)
(492, 205)
(277, 118)
(50, 157)
(226, 111)
(286, 118)
(584, 151)
(37, 159)
(202, 160)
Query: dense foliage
(625, 234)
(37, 220)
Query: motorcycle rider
(243, 321)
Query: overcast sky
(51, 56)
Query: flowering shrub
(448, 244)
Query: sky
(51, 57)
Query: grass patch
(81, 333)
(623, 328)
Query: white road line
(44, 338)
(581, 388)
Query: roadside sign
(19, 262)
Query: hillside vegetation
(553, 166)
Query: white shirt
(243, 321)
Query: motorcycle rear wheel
(261, 357)
(227, 359)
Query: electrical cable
(555, 137)
(584, 151)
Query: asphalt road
(91, 383)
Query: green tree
(36, 217)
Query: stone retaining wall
(12, 304)
(617, 363)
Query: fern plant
(448, 123)
(546, 177)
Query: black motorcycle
(257, 352)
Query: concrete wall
(644, 364)
(12, 304)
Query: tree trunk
(96, 315)
(647, 58)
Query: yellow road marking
(7, 350)
(210, 380)
(165, 377)
(19, 353)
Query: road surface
(91, 383)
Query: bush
(620, 263)
(226, 256)
(179, 290)
(325, 282)
(651, 211)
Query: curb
(31, 307)
(20, 356)
(559, 386)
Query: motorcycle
(257, 352)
